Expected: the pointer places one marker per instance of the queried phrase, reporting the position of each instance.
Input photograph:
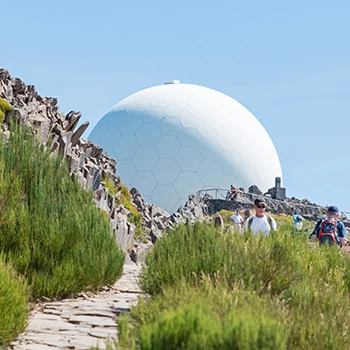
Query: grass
(50, 229)
(13, 303)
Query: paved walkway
(83, 322)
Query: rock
(255, 190)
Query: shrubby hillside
(54, 241)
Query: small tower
(277, 192)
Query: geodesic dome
(173, 140)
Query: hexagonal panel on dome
(174, 109)
(130, 125)
(147, 199)
(167, 146)
(230, 139)
(166, 170)
(133, 108)
(251, 174)
(200, 110)
(170, 125)
(229, 180)
(211, 148)
(209, 128)
(211, 173)
(127, 170)
(98, 133)
(189, 158)
(188, 182)
(110, 137)
(142, 103)
(231, 162)
(110, 152)
(145, 182)
(189, 137)
(148, 134)
(181, 202)
(188, 120)
(165, 196)
(145, 158)
(155, 101)
(115, 118)
(153, 115)
(126, 147)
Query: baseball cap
(333, 208)
(259, 201)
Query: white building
(175, 139)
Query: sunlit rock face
(175, 139)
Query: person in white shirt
(237, 221)
(260, 222)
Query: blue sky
(288, 63)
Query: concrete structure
(175, 139)
(277, 192)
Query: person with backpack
(260, 222)
(330, 230)
(298, 221)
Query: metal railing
(216, 193)
(221, 193)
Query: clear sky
(287, 62)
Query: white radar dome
(175, 139)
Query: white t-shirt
(261, 225)
(236, 218)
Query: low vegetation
(123, 197)
(51, 231)
(13, 303)
(4, 108)
(214, 290)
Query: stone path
(83, 322)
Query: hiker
(330, 229)
(297, 221)
(231, 193)
(260, 222)
(237, 221)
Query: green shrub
(50, 227)
(13, 304)
(189, 252)
(4, 108)
(205, 318)
(125, 199)
(309, 286)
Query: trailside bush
(13, 304)
(50, 228)
(185, 253)
(203, 318)
(309, 285)
(271, 264)
(4, 108)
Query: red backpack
(328, 227)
